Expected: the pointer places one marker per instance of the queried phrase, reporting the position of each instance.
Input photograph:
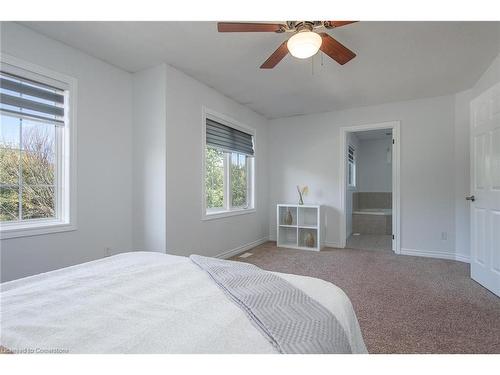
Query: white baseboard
(242, 248)
(435, 254)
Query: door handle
(471, 198)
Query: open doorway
(370, 186)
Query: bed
(143, 302)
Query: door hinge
(393, 236)
(393, 141)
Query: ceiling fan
(304, 42)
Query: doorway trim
(396, 163)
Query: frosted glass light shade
(304, 44)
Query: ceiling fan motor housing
(297, 26)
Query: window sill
(223, 214)
(34, 229)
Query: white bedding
(142, 302)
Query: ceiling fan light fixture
(304, 44)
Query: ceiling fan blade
(233, 27)
(333, 24)
(276, 57)
(336, 50)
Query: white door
(485, 189)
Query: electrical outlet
(108, 251)
(444, 236)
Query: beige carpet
(404, 304)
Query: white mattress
(142, 302)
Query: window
(229, 168)
(35, 184)
(351, 167)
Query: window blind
(29, 99)
(351, 154)
(228, 139)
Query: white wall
(434, 163)
(186, 232)
(352, 139)
(462, 173)
(104, 159)
(374, 172)
(445, 208)
(123, 188)
(149, 159)
(427, 166)
(168, 144)
(489, 78)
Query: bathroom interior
(369, 190)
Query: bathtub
(373, 211)
(372, 221)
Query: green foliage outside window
(214, 178)
(34, 163)
(239, 180)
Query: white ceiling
(395, 60)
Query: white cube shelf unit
(306, 219)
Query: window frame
(65, 144)
(227, 210)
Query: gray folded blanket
(292, 321)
